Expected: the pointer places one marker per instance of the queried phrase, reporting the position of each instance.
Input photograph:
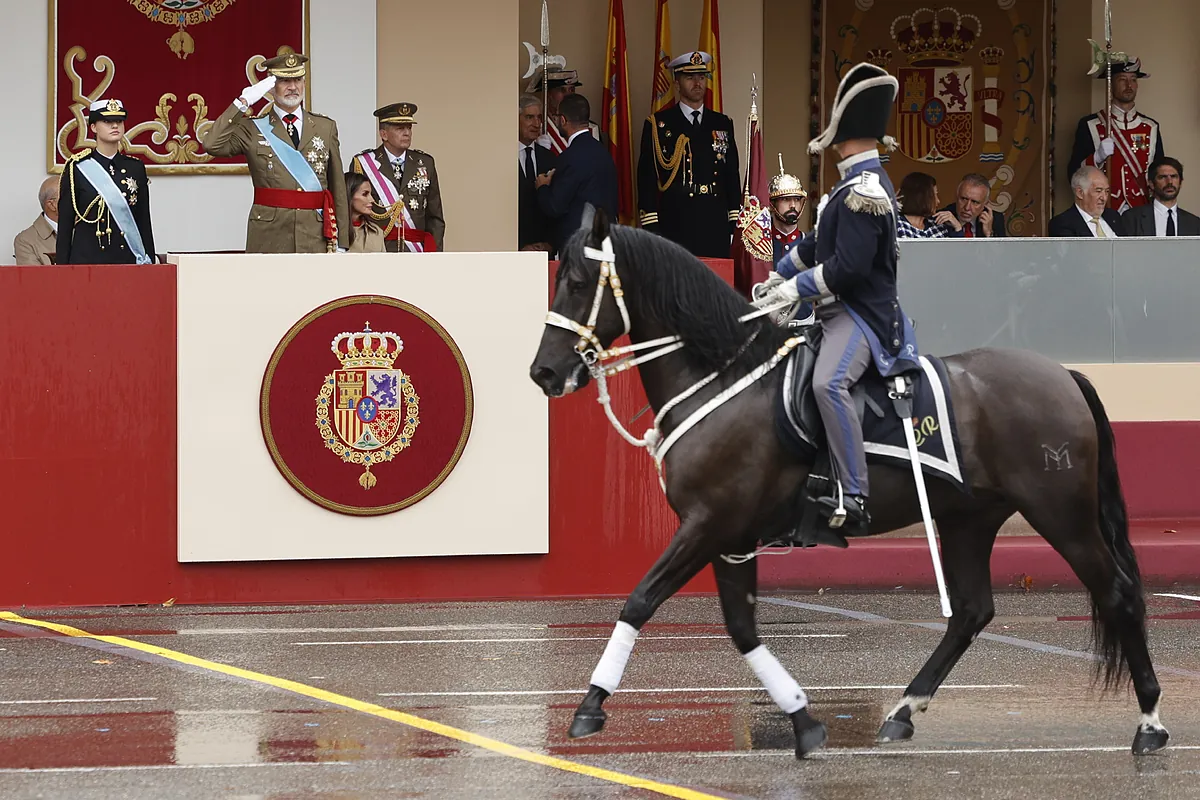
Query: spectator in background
(1163, 217)
(585, 173)
(1090, 216)
(365, 234)
(971, 209)
(918, 198)
(35, 245)
(535, 230)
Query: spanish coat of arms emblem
(368, 410)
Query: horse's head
(584, 318)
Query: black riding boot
(856, 519)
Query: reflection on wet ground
(78, 721)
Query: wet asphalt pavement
(81, 718)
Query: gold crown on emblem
(114, 106)
(991, 55)
(935, 42)
(697, 59)
(290, 60)
(367, 349)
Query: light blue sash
(290, 157)
(118, 206)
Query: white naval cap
(113, 110)
(692, 61)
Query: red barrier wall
(87, 471)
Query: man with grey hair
(978, 219)
(35, 246)
(535, 230)
(1090, 216)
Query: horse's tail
(1114, 528)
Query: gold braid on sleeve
(682, 148)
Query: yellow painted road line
(351, 703)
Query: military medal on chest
(131, 188)
(318, 152)
(720, 144)
(419, 182)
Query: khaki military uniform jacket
(35, 245)
(417, 186)
(285, 230)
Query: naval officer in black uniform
(688, 185)
(104, 198)
(848, 267)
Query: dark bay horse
(733, 484)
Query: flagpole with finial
(750, 120)
(545, 66)
(1108, 81)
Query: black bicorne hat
(862, 108)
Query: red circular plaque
(366, 405)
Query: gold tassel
(367, 480)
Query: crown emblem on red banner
(367, 349)
(939, 38)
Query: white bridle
(594, 356)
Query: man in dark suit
(1163, 216)
(689, 190)
(1090, 216)
(585, 173)
(535, 230)
(971, 209)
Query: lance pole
(1108, 84)
(545, 66)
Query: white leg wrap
(1151, 721)
(913, 703)
(782, 687)
(608, 672)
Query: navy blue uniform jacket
(585, 173)
(854, 246)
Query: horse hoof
(894, 730)
(810, 733)
(587, 723)
(1149, 740)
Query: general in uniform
(295, 162)
(688, 185)
(104, 198)
(1127, 148)
(406, 185)
(848, 267)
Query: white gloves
(252, 94)
(545, 141)
(760, 290)
(1104, 150)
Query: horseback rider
(847, 266)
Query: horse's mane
(665, 282)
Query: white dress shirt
(687, 112)
(1160, 218)
(521, 156)
(54, 225)
(1091, 226)
(397, 161)
(299, 123)
(575, 135)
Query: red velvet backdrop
(175, 64)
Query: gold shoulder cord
(682, 147)
(98, 202)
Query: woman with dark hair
(365, 234)
(918, 198)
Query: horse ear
(589, 212)
(600, 225)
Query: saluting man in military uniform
(848, 266)
(295, 162)
(406, 184)
(104, 198)
(688, 185)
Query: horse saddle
(799, 426)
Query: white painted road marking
(569, 639)
(77, 700)
(691, 690)
(1178, 596)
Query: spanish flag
(616, 122)
(662, 94)
(710, 42)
